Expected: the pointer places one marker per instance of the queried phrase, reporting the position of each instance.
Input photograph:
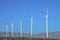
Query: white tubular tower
(6, 30)
(47, 24)
(31, 25)
(12, 29)
(20, 28)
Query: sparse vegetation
(23, 38)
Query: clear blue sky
(16, 10)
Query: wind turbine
(21, 28)
(12, 29)
(31, 25)
(47, 24)
(6, 30)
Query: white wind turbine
(6, 30)
(47, 24)
(31, 25)
(12, 29)
(21, 28)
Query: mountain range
(52, 35)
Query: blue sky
(16, 10)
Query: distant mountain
(54, 35)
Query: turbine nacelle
(46, 16)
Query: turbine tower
(47, 24)
(6, 30)
(12, 29)
(21, 28)
(31, 25)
